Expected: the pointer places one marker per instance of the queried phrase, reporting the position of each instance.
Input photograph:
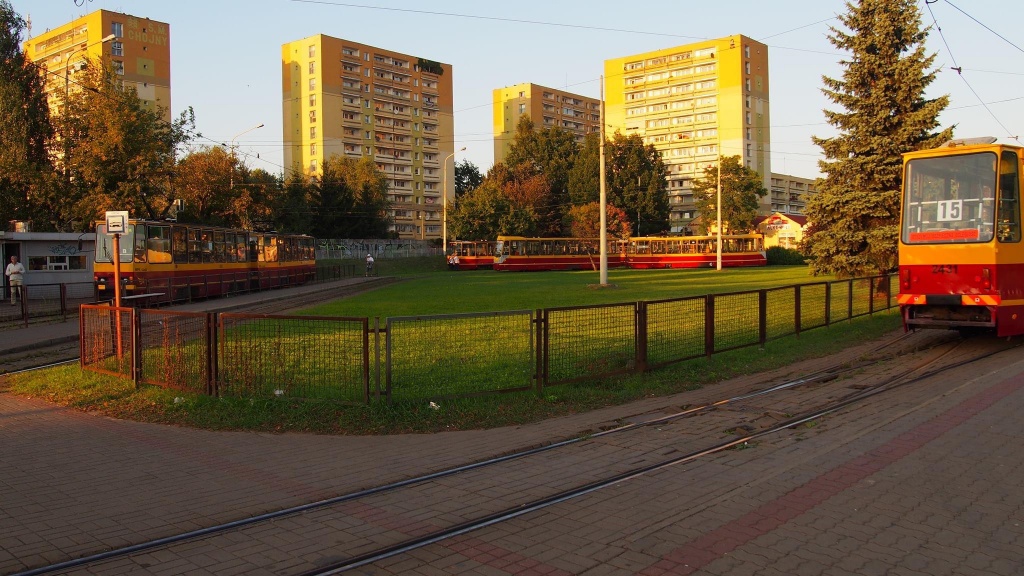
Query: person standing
(369, 265)
(15, 273)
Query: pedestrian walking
(369, 265)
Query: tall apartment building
(350, 99)
(546, 107)
(139, 51)
(789, 194)
(695, 103)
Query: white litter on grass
(434, 406)
(178, 399)
(278, 392)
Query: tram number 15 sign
(950, 210)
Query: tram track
(361, 558)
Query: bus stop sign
(117, 222)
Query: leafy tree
(203, 181)
(120, 152)
(741, 189)
(372, 206)
(637, 182)
(292, 208)
(255, 204)
(467, 177)
(550, 152)
(586, 221)
(25, 131)
(585, 175)
(855, 214)
(486, 212)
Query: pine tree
(855, 215)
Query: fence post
(376, 356)
(888, 292)
(212, 372)
(640, 316)
(23, 301)
(796, 308)
(63, 302)
(762, 317)
(542, 349)
(81, 338)
(849, 299)
(387, 363)
(871, 295)
(136, 324)
(828, 303)
(709, 325)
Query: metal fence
(45, 301)
(416, 358)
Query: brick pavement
(74, 483)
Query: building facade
(695, 103)
(546, 107)
(349, 99)
(789, 194)
(138, 50)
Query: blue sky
(225, 56)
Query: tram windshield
(949, 199)
(105, 244)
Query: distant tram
(181, 261)
(517, 253)
(474, 255)
(961, 260)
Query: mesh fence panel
(175, 350)
(862, 296)
(675, 330)
(459, 354)
(812, 306)
(106, 343)
(736, 320)
(590, 341)
(780, 304)
(839, 307)
(293, 356)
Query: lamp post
(444, 202)
(232, 185)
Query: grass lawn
(427, 289)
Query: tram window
(240, 249)
(219, 250)
(158, 246)
(140, 243)
(1008, 219)
(270, 248)
(179, 245)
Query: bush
(779, 256)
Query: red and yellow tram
(182, 261)
(961, 260)
(473, 254)
(519, 253)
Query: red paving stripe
(697, 554)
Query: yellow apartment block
(547, 108)
(695, 103)
(139, 50)
(789, 194)
(349, 99)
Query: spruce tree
(855, 215)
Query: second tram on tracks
(517, 253)
(474, 254)
(961, 259)
(184, 261)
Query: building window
(118, 67)
(312, 132)
(312, 51)
(522, 108)
(117, 29)
(746, 66)
(312, 115)
(57, 263)
(312, 67)
(312, 165)
(312, 149)
(312, 83)
(312, 99)
(747, 82)
(117, 49)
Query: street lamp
(232, 185)
(67, 63)
(67, 96)
(444, 217)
